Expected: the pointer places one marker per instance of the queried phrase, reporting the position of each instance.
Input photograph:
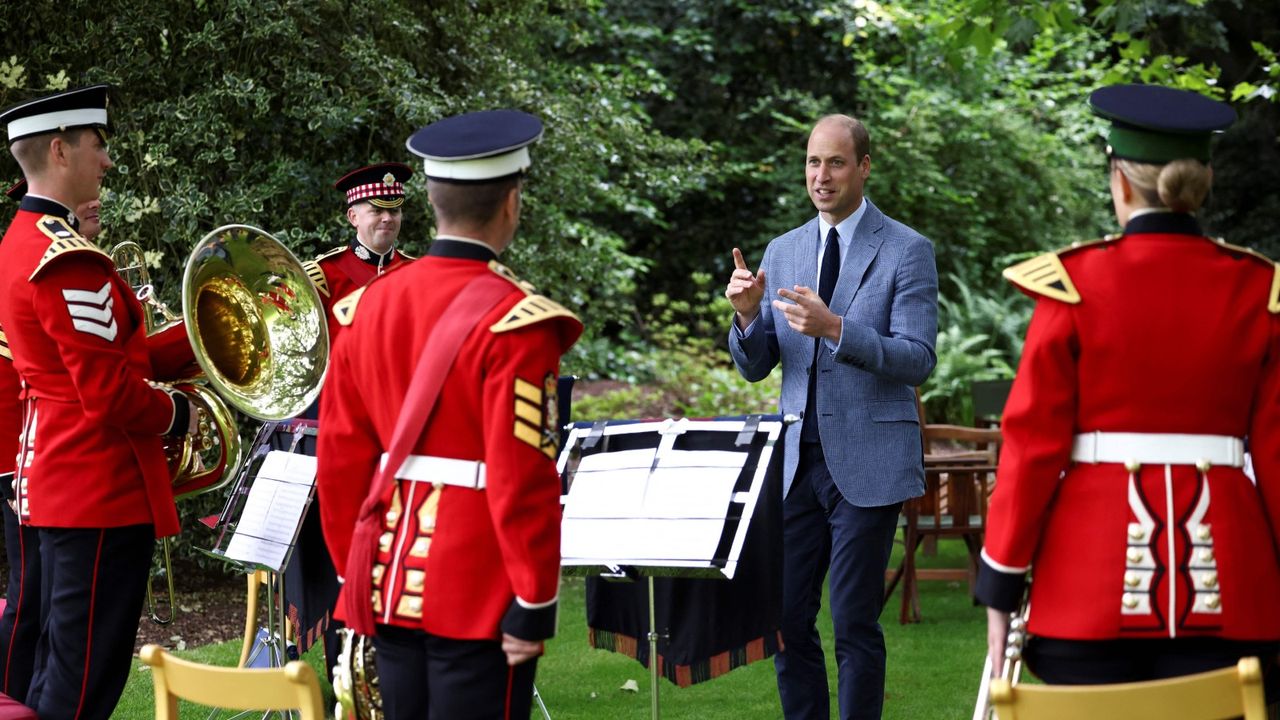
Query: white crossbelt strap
(1158, 449)
(448, 471)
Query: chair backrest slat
(292, 687)
(1229, 692)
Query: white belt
(448, 471)
(1158, 449)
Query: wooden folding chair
(959, 473)
(1227, 693)
(292, 687)
(256, 579)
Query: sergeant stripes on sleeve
(91, 311)
(4, 347)
(531, 421)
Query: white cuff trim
(1003, 568)
(536, 606)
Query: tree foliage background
(247, 110)
(675, 132)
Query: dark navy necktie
(830, 267)
(827, 276)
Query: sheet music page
(273, 510)
(609, 484)
(693, 484)
(638, 541)
(625, 508)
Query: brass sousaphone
(257, 328)
(255, 322)
(355, 677)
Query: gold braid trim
(1045, 274)
(65, 240)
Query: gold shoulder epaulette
(506, 274)
(406, 255)
(1273, 299)
(345, 309)
(532, 309)
(1045, 274)
(4, 347)
(318, 279)
(65, 241)
(330, 253)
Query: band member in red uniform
(91, 471)
(1151, 359)
(375, 199)
(452, 563)
(20, 622)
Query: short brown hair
(469, 203)
(32, 152)
(857, 131)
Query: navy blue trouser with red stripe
(95, 582)
(20, 623)
(427, 677)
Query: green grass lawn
(932, 674)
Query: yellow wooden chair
(256, 580)
(292, 687)
(1227, 693)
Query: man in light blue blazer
(851, 352)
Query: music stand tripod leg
(537, 699)
(276, 643)
(653, 654)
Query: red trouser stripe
(506, 707)
(88, 641)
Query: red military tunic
(343, 270)
(1158, 331)
(94, 456)
(10, 410)
(452, 561)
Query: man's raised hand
(745, 290)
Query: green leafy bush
(979, 338)
(688, 373)
(245, 111)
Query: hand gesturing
(745, 290)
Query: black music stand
(683, 501)
(258, 527)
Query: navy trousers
(20, 623)
(824, 534)
(427, 677)
(95, 582)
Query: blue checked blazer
(887, 294)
